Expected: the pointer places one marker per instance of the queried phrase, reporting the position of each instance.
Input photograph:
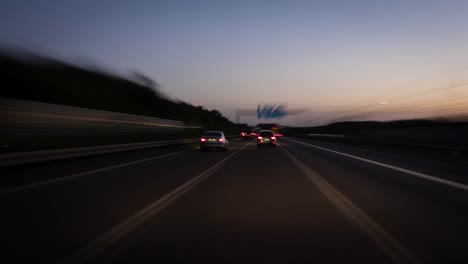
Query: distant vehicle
(245, 135)
(213, 140)
(271, 126)
(266, 137)
(255, 132)
(276, 131)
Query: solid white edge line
(453, 184)
(74, 176)
(384, 240)
(112, 236)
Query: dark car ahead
(213, 140)
(266, 137)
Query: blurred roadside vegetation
(43, 79)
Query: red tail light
(203, 139)
(273, 137)
(259, 137)
(220, 140)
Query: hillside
(38, 78)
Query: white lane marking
(389, 245)
(410, 172)
(74, 176)
(112, 236)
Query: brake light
(220, 140)
(273, 137)
(259, 137)
(203, 139)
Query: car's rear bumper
(266, 143)
(212, 145)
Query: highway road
(302, 202)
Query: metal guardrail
(21, 158)
(29, 126)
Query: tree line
(40, 78)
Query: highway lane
(258, 208)
(18, 176)
(259, 205)
(428, 217)
(50, 221)
(452, 171)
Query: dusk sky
(359, 59)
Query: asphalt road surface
(301, 202)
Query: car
(254, 133)
(266, 137)
(213, 140)
(245, 135)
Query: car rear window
(212, 134)
(266, 134)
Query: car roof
(213, 131)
